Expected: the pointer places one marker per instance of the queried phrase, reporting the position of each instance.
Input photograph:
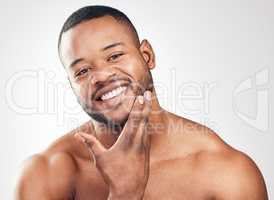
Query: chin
(117, 116)
(113, 111)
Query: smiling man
(131, 148)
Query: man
(132, 148)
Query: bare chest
(163, 184)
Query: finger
(92, 143)
(142, 132)
(135, 116)
(147, 107)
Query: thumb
(92, 142)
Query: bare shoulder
(49, 178)
(225, 171)
(232, 174)
(51, 173)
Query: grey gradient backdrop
(215, 64)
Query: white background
(210, 45)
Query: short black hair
(93, 12)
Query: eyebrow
(75, 62)
(103, 49)
(112, 46)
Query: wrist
(112, 197)
(115, 195)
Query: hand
(125, 166)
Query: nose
(100, 76)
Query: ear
(147, 53)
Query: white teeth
(113, 93)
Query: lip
(109, 87)
(109, 104)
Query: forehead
(91, 36)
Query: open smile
(113, 93)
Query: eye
(82, 72)
(114, 56)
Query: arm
(42, 178)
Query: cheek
(81, 90)
(85, 93)
(135, 67)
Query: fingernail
(147, 95)
(79, 137)
(141, 99)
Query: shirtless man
(132, 148)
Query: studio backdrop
(214, 65)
